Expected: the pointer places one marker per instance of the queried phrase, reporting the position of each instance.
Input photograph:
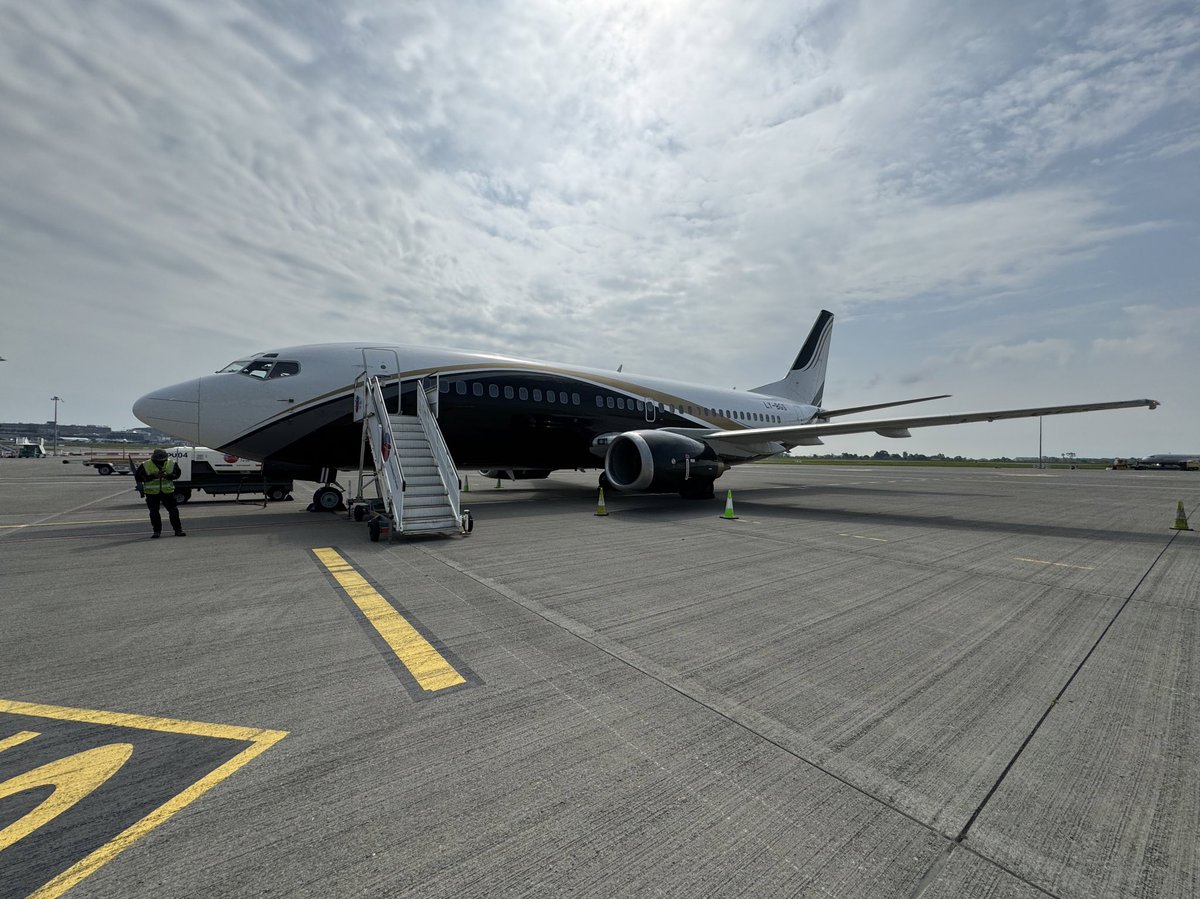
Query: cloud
(678, 186)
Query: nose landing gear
(327, 499)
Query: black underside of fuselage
(503, 430)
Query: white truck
(214, 472)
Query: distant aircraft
(1167, 460)
(293, 409)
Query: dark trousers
(168, 500)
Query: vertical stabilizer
(805, 382)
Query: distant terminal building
(13, 431)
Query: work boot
(155, 535)
(180, 534)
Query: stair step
(412, 489)
(439, 524)
(424, 501)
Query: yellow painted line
(261, 740)
(861, 537)
(1058, 564)
(17, 739)
(425, 663)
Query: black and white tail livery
(805, 383)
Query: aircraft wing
(792, 435)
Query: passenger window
(477, 389)
(599, 401)
(574, 399)
(641, 405)
(493, 391)
(508, 393)
(460, 387)
(284, 370)
(537, 394)
(610, 402)
(549, 396)
(523, 393)
(621, 403)
(443, 385)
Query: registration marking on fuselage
(426, 665)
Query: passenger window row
(610, 401)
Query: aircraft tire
(327, 499)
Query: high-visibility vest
(156, 479)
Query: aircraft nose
(173, 410)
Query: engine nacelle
(659, 462)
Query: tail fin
(805, 382)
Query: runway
(875, 682)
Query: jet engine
(661, 462)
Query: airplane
(1182, 461)
(293, 410)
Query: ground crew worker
(157, 478)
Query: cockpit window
(263, 368)
(259, 368)
(285, 369)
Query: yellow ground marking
(861, 537)
(425, 663)
(17, 739)
(261, 741)
(1057, 564)
(73, 778)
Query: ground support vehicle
(211, 471)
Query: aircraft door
(651, 410)
(383, 363)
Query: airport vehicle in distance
(294, 409)
(211, 471)
(116, 463)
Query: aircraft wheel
(276, 494)
(605, 483)
(327, 499)
(360, 512)
(698, 489)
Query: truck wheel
(104, 469)
(276, 494)
(182, 496)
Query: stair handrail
(389, 472)
(447, 470)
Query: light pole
(1040, 464)
(57, 400)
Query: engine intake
(659, 462)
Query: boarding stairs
(415, 479)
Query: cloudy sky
(997, 200)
